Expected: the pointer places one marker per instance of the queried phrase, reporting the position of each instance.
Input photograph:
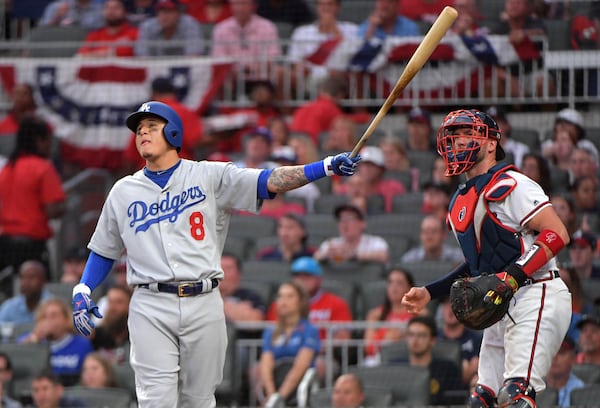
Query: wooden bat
(414, 65)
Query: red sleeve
(51, 186)
(340, 311)
(90, 38)
(271, 314)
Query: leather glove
(83, 305)
(512, 279)
(344, 165)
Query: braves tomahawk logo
(145, 214)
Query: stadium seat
(558, 34)
(61, 290)
(358, 273)
(397, 246)
(403, 176)
(273, 272)
(443, 349)
(125, 378)
(323, 225)
(229, 389)
(547, 398)
(422, 160)
(345, 290)
(27, 361)
(372, 294)
(409, 385)
(427, 271)
(355, 11)
(593, 134)
(407, 203)
(100, 397)
(588, 373)
(251, 226)
(326, 203)
(7, 144)
(374, 397)
(45, 41)
(586, 397)
(266, 291)
(403, 224)
(530, 137)
(237, 246)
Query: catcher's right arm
(479, 302)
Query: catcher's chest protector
(488, 246)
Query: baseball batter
(172, 219)
(506, 227)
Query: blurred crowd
(400, 176)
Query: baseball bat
(414, 65)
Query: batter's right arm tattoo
(286, 178)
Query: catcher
(509, 285)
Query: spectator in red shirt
(208, 11)
(372, 167)
(317, 116)
(164, 91)
(116, 30)
(31, 194)
(422, 10)
(23, 105)
(324, 306)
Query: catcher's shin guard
(482, 397)
(517, 393)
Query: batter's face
(149, 138)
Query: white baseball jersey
(175, 233)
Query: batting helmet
(478, 126)
(173, 130)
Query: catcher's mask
(460, 137)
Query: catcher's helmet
(173, 130)
(461, 158)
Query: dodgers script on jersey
(168, 230)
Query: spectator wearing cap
(308, 193)
(139, 11)
(436, 198)
(432, 244)
(560, 376)
(292, 240)
(208, 11)
(170, 33)
(513, 147)
(257, 150)
(323, 306)
(568, 132)
(352, 244)
(73, 264)
(247, 38)
(582, 248)
(372, 168)
(163, 90)
(84, 13)
(589, 339)
(317, 116)
(116, 30)
(419, 130)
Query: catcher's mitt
(479, 302)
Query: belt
(549, 276)
(183, 289)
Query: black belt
(183, 289)
(550, 275)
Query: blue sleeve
(267, 343)
(312, 339)
(441, 287)
(263, 192)
(96, 270)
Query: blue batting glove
(344, 165)
(83, 305)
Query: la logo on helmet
(144, 108)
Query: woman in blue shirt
(292, 338)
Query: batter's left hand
(83, 305)
(344, 165)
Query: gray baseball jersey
(176, 233)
